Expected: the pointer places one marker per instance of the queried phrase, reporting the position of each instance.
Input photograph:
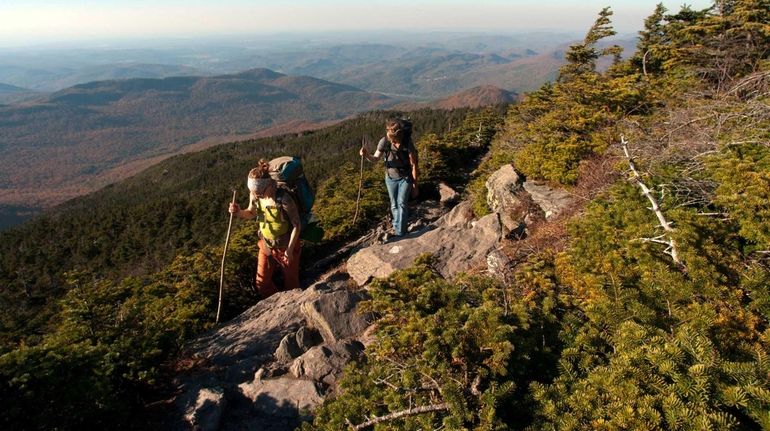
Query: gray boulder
(282, 397)
(503, 189)
(497, 264)
(307, 338)
(288, 349)
(551, 201)
(325, 363)
(206, 412)
(447, 194)
(262, 338)
(334, 315)
(460, 216)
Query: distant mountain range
(48, 68)
(12, 94)
(484, 95)
(433, 73)
(53, 78)
(10, 89)
(81, 138)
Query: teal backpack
(287, 171)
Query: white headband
(258, 184)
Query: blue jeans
(398, 191)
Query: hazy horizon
(61, 22)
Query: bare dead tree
(666, 238)
(397, 415)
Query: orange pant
(267, 260)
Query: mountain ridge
(94, 128)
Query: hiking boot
(390, 237)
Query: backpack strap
(404, 149)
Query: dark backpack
(406, 126)
(402, 154)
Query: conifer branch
(397, 415)
(664, 223)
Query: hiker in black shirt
(401, 169)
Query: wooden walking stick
(222, 271)
(360, 184)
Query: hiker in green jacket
(279, 230)
(401, 169)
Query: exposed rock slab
(503, 187)
(288, 349)
(282, 397)
(264, 341)
(206, 413)
(255, 333)
(456, 244)
(325, 363)
(447, 195)
(333, 315)
(552, 201)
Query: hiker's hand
(415, 191)
(363, 152)
(234, 208)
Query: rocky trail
(271, 366)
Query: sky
(25, 22)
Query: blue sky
(32, 21)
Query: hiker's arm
(414, 161)
(371, 157)
(247, 213)
(293, 213)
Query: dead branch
(689, 123)
(664, 223)
(398, 415)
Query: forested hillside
(137, 226)
(99, 292)
(83, 137)
(652, 313)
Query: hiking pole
(224, 253)
(360, 184)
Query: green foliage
(611, 333)
(558, 126)
(581, 58)
(109, 342)
(659, 381)
(729, 44)
(650, 51)
(470, 343)
(653, 347)
(450, 157)
(336, 201)
(743, 174)
(565, 123)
